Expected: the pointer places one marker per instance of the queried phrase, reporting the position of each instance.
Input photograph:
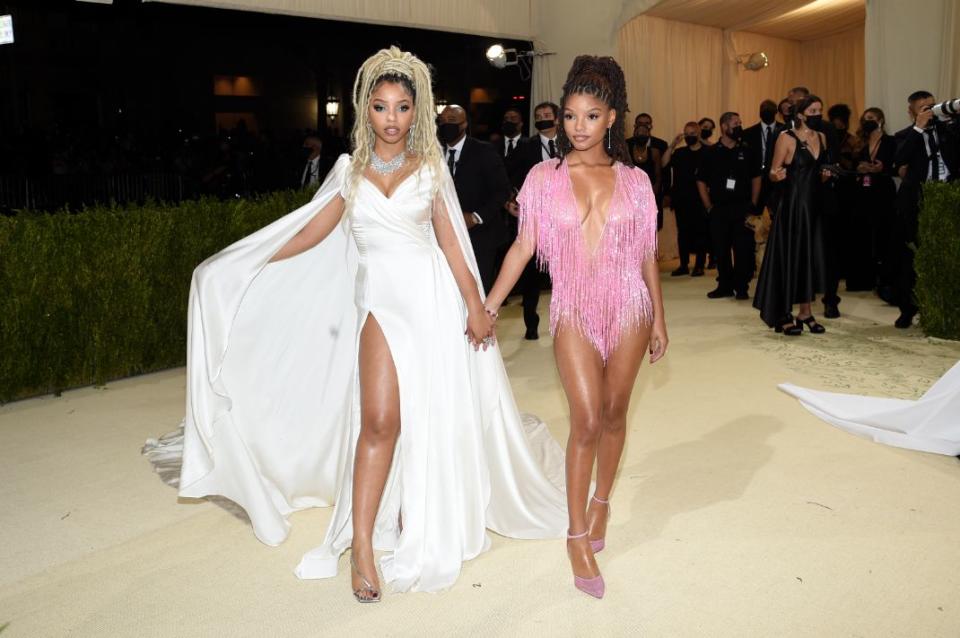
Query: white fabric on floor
(929, 424)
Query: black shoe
(789, 327)
(905, 320)
(532, 335)
(719, 293)
(680, 272)
(811, 325)
(742, 295)
(697, 272)
(830, 311)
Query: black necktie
(767, 144)
(552, 149)
(509, 147)
(451, 160)
(934, 155)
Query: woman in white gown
(341, 373)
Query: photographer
(926, 152)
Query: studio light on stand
(754, 61)
(501, 58)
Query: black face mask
(736, 132)
(449, 132)
(543, 125)
(815, 122)
(691, 139)
(706, 133)
(869, 126)
(768, 116)
(509, 129)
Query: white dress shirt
(506, 143)
(944, 171)
(545, 146)
(311, 173)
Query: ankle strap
(602, 501)
(574, 536)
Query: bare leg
(581, 373)
(379, 428)
(805, 311)
(618, 379)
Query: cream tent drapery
(678, 71)
(503, 18)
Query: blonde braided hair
(422, 139)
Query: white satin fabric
(273, 398)
(929, 424)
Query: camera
(946, 110)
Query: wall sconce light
(333, 107)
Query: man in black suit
(926, 152)
(728, 180)
(482, 188)
(763, 135)
(513, 134)
(530, 152)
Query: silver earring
(609, 143)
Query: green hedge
(102, 293)
(938, 261)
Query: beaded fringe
(602, 294)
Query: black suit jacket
(483, 188)
(912, 153)
(754, 137)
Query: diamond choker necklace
(385, 168)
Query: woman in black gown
(794, 266)
(873, 214)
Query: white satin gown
(273, 395)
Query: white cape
(271, 423)
(929, 424)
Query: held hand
(479, 328)
(864, 167)
(825, 175)
(658, 341)
(470, 221)
(778, 174)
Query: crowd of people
(797, 201)
(65, 162)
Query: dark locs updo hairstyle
(602, 78)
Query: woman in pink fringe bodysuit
(591, 219)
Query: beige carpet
(736, 513)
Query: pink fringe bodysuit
(603, 293)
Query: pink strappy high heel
(598, 544)
(592, 586)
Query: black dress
(872, 236)
(794, 265)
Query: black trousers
(733, 246)
(529, 286)
(908, 213)
(487, 265)
(834, 227)
(692, 233)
